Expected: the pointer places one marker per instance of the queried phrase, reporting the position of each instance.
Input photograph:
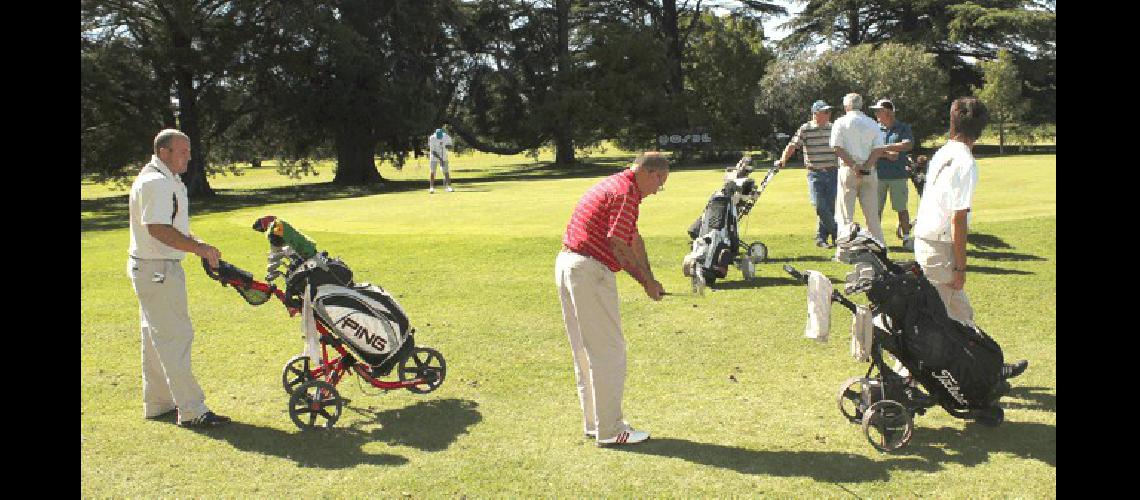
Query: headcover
(281, 234)
(241, 281)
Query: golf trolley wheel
(696, 278)
(758, 252)
(747, 267)
(887, 425)
(315, 404)
(850, 399)
(295, 373)
(423, 362)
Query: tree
(1002, 93)
(726, 60)
(955, 31)
(359, 76)
(133, 52)
(905, 74)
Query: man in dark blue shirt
(891, 167)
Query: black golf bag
(959, 367)
(715, 236)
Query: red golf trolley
(314, 401)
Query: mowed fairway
(737, 400)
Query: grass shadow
(334, 448)
(830, 467)
(986, 241)
(996, 270)
(427, 425)
(973, 444)
(1037, 399)
(1010, 256)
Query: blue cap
(439, 133)
(818, 106)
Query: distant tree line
(250, 80)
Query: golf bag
(367, 319)
(715, 237)
(946, 363)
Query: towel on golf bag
(365, 317)
(862, 333)
(309, 329)
(819, 306)
(960, 364)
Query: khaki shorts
(898, 191)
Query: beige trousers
(166, 337)
(867, 191)
(937, 261)
(590, 309)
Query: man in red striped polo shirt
(601, 239)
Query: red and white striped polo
(610, 208)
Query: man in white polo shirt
(853, 137)
(160, 237)
(438, 142)
(944, 214)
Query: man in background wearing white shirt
(438, 142)
(853, 137)
(944, 214)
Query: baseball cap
(884, 103)
(818, 106)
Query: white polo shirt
(439, 146)
(152, 201)
(951, 178)
(857, 134)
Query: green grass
(474, 270)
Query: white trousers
(866, 189)
(937, 261)
(166, 337)
(590, 309)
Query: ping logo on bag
(361, 332)
(951, 386)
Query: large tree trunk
(673, 48)
(563, 137)
(197, 185)
(355, 159)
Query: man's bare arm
(174, 238)
(958, 232)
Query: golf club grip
(838, 297)
(795, 274)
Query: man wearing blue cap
(438, 142)
(821, 166)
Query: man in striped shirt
(600, 240)
(819, 160)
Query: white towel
(862, 333)
(819, 306)
(309, 328)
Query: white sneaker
(431, 190)
(450, 190)
(627, 436)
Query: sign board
(683, 140)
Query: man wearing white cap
(853, 137)
(438, 142)
(819, 161)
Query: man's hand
(654, 289)
(208, 252)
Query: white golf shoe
(627, 436)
